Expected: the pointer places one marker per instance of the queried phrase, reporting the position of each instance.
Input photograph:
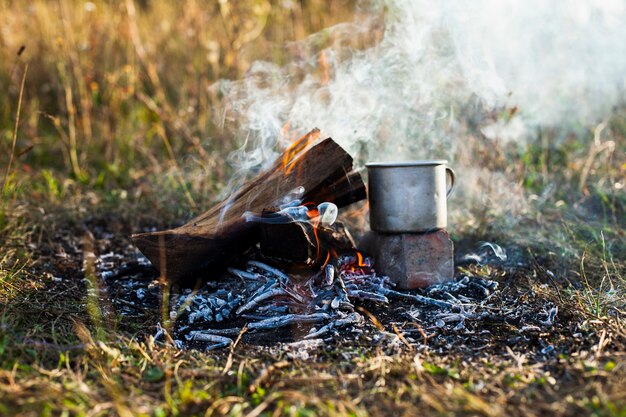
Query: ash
(491, 305)
(345, 300)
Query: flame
(314, 220)
(360, 260)
(286, 134)
(318, 247)
(323, 63)
(313, 214)
(296, 147)
(327, 259)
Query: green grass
(114, 102)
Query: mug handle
(450, 172)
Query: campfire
(274, 255)
(280, 207)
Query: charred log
(291, 243)
(304, 243)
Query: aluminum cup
(409, 197)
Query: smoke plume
(414, 84)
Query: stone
(412, 260)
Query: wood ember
(321, 169)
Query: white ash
(465, 312)
(322, 306)
(130, 281)
(141, 293)
(302, 349)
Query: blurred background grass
(117, 90)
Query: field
(108, 127)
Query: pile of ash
(493, 303)
(341, 301)
(488, 306)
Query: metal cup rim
(407, 164)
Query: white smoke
(562, 62)
(439, 70)
(439, 64)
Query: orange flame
(312, 214)
(323, 63)
(359, 259)
(327, 259)
(318, 247)
(314, 220)
(296, 147)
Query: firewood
(303, 243)
(293, 243)
(216, 237)
(348, 189)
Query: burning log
(307, 243)
(320, 170)
(290, 242)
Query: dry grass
(116, 123)
(115, 87)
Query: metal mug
(408, 196)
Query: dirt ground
(81, 339)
